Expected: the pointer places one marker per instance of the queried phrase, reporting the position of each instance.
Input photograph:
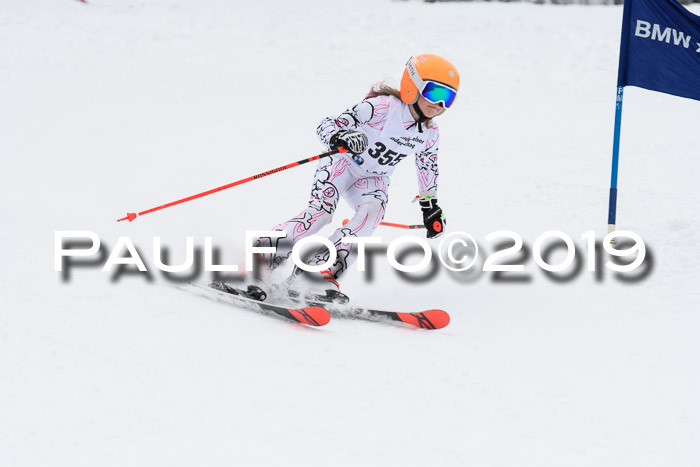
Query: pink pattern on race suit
(426, 179)
(380, 216)
(359, 227)
(337, 169)
(428, 171)
(362, 183)
(300, 228)
(377, 220)
(283, 225)
(379, 118)
(302, 223)
(379, 183)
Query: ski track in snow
(115, 107)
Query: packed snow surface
(119, 106)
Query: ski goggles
(438, 93)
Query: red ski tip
(431, 319)
(312, 315)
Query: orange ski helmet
(431, 76)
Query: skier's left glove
(433, 217)
(354, 141)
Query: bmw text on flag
(660, 48)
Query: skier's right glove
(354, 141)
(433, 217)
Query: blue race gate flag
(660, 48)
(660, 51)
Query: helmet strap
(421, 117)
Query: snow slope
(121, 106)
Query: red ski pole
(131, 215)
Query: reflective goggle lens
(436, 93)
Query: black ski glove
(433, 217)
(354, 141)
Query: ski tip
(312, 315)
(440, 318)
(430, 319)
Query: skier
(378, 133)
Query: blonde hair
(383, 89)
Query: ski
(314, 311)
(337, 302)
(312, 315)
(429, 319)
